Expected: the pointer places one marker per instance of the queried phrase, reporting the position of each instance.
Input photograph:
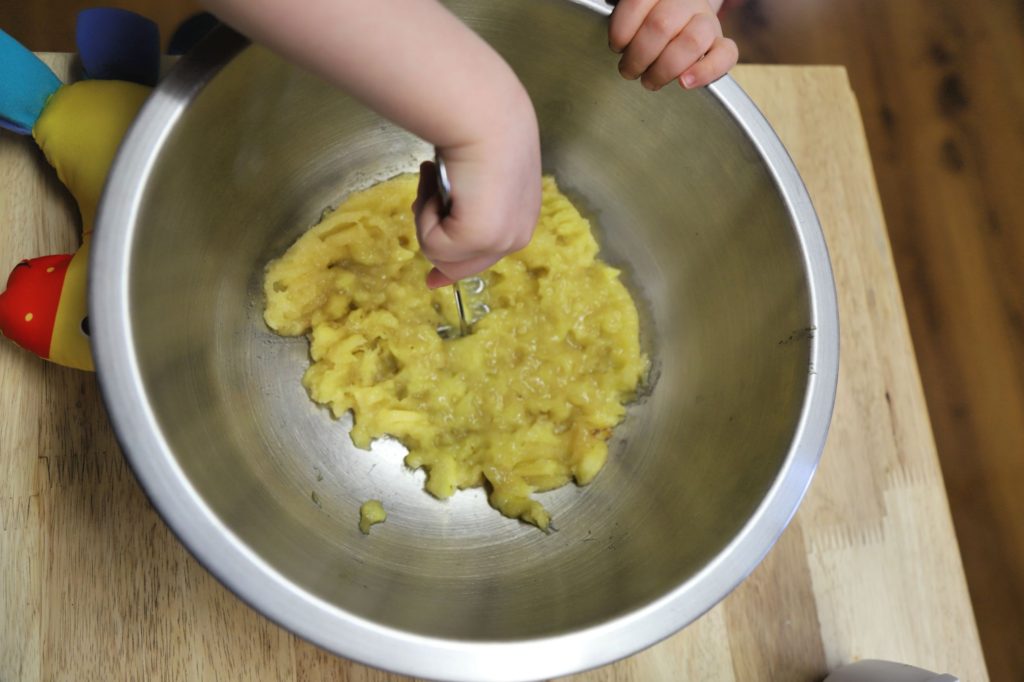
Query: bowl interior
(682, 202)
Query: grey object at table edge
(263, 587)
(871, 670)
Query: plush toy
(78, 127)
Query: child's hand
(495, 200)
(415, 63)
(664, 40)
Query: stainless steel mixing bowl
(693, 196)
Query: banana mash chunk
(371, 513)
(524, 404)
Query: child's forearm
(410, 60)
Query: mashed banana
(371, 513)
(524, 403)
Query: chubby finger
(445, 238)
(722, 56)
(444, 274)
(662, 25)
(682, 52)
(445, 241)
(436, 243)
(627, 17)
(455, 239)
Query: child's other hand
(665, 40)
(496, 190)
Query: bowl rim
(263, 588)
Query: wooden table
(93, 586)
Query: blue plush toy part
(191, 32)
(115, 44)
(25, 85)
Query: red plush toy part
(28, 308)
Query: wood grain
(93, 585)
(940, 86)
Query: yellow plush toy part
(79, 132)
(79, 128)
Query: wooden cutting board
(93, 586)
